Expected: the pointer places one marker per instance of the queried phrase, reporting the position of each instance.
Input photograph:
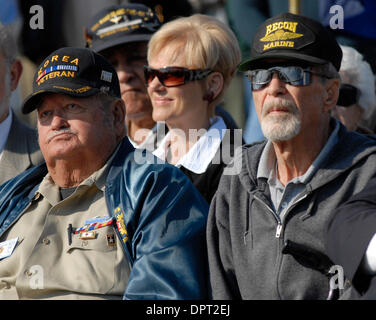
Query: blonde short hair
(204, 42)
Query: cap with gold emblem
(78, 72)
(293, 37)
(117, 25)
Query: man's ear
(15, 74)
(331, 94)
(118, 112)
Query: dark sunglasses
(294, 75)
(174, 76)
(348, 95)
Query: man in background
(19, 149)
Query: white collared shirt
(198, 158)
(4, 131)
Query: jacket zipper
(279, 222)
(279, 229)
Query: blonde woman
(192, 61)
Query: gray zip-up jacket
(245, 236)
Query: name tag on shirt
(7, 247)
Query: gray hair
(8, 46)
(361, 76)
(328, 70)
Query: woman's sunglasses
(174, 76)
(348, 95)
(294, 75)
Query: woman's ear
(214, 84)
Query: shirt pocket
(92, 262)
(104, 240)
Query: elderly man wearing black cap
(92, 223)
(121, 33)
(267, 224)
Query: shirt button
(28, 273)
(284, 204)
(46, 241)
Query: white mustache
(279, 104)
(54, 133)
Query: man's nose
(125, 72)
(276, 86)
(59, 121)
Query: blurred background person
(121, 34)
(19, 149)
(357, 98)
(191, 64)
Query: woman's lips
(161, 101)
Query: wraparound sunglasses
(174, 76)
(294, 75)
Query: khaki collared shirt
(44, 265)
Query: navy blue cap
(119, 24)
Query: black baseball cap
(293, 37)
(121, 24)
(77, 72)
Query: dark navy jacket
(164, 218)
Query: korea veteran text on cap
(293, 37)
(77, 72)
(117, 25)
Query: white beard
(280, 127)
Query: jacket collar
(124, 149)
(347, 152)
